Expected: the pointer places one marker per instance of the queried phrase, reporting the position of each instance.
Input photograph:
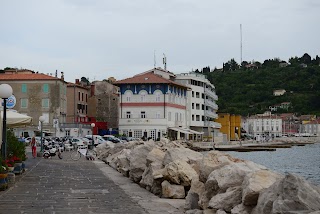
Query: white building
(264, 126)
(201, 103)
(311, 128)
(152, 105)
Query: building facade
(153, 106)
(201, 104)
(264, 126)
(38, 95)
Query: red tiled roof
(35, 76)
(147, 78)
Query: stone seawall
(212, 183)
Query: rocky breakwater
(211, 183)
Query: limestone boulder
(122, 162)
(155, 155)
(193, 196)
(230, 175)
(255, 182)
(288, 195)
(213, 160)
(148, 181)
(226, 201)
(172, 190)
(184, 154)
(194, 211)
(138, 161)
(180, 172)
(241, 209)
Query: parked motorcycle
(50, 151)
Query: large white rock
(226, 201)
(155, 155)
(230, 175)
(148, 181)
(180, 172)
(288, 195)
(241, 209)
(213, 160)
(138, 161)
(184, 154)
(193, 196)
(255, 182)
(172, 190)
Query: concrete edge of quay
(149, 202)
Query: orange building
(230, 125)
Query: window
(193, 94)
(197, 117)
(24, 103)
(128, 114)
(46, 117)
(192, 117)
(24, 88)
(157, 114)
(86, 97)
(79, 95)
(169, 116)
(46, 88)
(197, 95)
(143, 114)
(192, 105)
(198, 106)
(158, 96)
(82, 96)
(45, 103)
(143, 96)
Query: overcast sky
(103, 38)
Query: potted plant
(3, 175)
(16, 152)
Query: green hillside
(248, 88)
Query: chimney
(62, 76)
(92, 90)
(77, 82)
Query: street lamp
(92, 125)
(5, 93)
(41, 119)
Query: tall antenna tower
(154, 59)
(164, 62)
(240, 44)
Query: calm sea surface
(301, 160)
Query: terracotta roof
(147, 78)
(35, 76)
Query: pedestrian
(33, 147)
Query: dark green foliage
(14, 147)
(250, 91)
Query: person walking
(33, 147)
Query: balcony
(211, 104)
(210, 114)
(141, 121)
(75, 125)
(210, 93)
(212, 124)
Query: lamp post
(41, 120)
(92, 125)
(5, 93)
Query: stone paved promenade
(67, 186)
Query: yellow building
(230, 125)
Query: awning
(185, 130)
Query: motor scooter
(50, 151)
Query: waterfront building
(201, 104)
(36, 95)
(152, 105)
(230, 126)
(264, 126)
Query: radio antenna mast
(154, 59)
(240, 44)
(165, 62)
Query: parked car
(96, 138)
(79, 142)
(112, 138)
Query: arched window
(157, 95)
(143, 95)
(128, 95)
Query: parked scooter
(50, 151)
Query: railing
(211, 104)
(75, 125)
(210, 114)
(212, 124)
(210, 93)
